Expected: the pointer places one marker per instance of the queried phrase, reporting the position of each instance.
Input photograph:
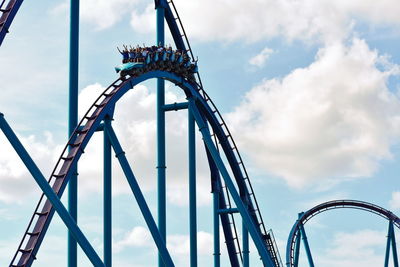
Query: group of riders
(138, 54)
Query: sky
(309, 89)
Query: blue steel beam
(50, 194)
(221, 205)
(137, 192)
(107, 197)
(246, 249)
(173, 26)
(394, 247)
(217, 251)
(161, 154)
(73, 122)
(192, 189)
(255, 234)
(231, 210)
(175, 106)
(388, 244)
(306, 245)
(7, 17)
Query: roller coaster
(233, 193)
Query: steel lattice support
(68, 220)
(201, 110)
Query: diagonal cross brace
(50, 194)
(120, 154)
(255, 234)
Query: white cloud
(14, 176)
(310, 20)
(102, 14)
(137, 237)
(105, 13)
(394, 203)
(330, 121)
(177, 244)
(362, 248)
(144, 22)
(260, 59)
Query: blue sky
(309, 89)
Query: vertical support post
(73, 122)
(394, 247)
(246, 250)
(217, 251)
(107, 191)
(161, 166)
(255, 234)
(387, 253)
(192, 189)
(306, 245)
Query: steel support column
(161, 165)
(192, 189)
(306, 245)
(254, 232)
(107, 196)
(137, 192)
(73, 121)
(73, 228)
(246, 249)
(388, 244)
(391, 242)
(394, 247)
(217, 251)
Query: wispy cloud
(260, 59)
(311, 21)
(394, 202)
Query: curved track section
(246, 189)
(104, 105)
(8, 10)
(335, 204)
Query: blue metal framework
(217, 139)
(298, 233)
(8, 10)
(233, 194)
(99, 111)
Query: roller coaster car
(176, 62)
(126, 67)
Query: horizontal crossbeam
(175, 106)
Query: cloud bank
(335, 118)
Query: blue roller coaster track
(297, 233)
(232, 190)
(8, 10)
(217, 139)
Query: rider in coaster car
(132, 54)
(125, 54)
